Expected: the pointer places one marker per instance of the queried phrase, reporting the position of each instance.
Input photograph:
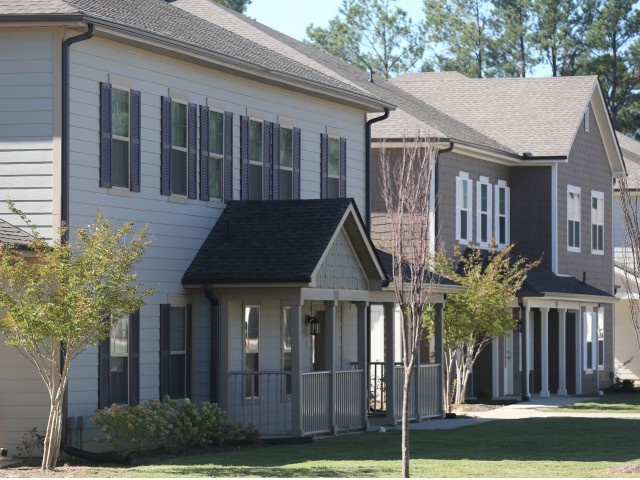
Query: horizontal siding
(26, 127)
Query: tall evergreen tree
(514, 45)
(463, 34)
(239, 6)
(373, 35)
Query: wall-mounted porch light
(313, 324)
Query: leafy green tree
(463, 33)
(614, 38)
(514, 46)
(372, 35)
(561, 29)
(477, 315)
(239, 6)
(64, 298)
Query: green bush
(625, 386)
(180, 425)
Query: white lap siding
(26, 126)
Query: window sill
(588, 372)
(215, 203)
(121, 192)
(597, 252)
(573, 249)
(178, 199)
(462, 241)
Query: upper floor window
(464, 190)
(333, 176)
(502, 206)
(573, 218)
(597, 222)
(216, 154)
(286, 163)
(119, 137)
(256, 164)
(333, 165)
(484, 201)
(178, 148)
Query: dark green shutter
(192, 151)
(165, 352)
(134, 358)
(324, 164)
(343, 167)
(103, 373)
(266, 161)
(134, 119)
(228, 156)
(105, 135)
(244, 157)
(165, 161)
(275, 159)
(204, 153)
(189, 353)
(296, 163)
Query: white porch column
(544, 351)
(562, 351)
(296, 370)
(361, 312)
(389, 342)
(495, 367)
(578, 351)
(330, 358)
(527, 353)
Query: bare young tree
(631, 278)
(406, 182)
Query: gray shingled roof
(279, 241)
(12, 234)
(160, 18)
(630, 149)
(412, 115)
(35, 7)
(537, 115)
(542, 282)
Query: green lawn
(552, 447)
(610, 403)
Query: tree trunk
(53, 435)
(405, 422)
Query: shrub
(181, 425)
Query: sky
(300, 13)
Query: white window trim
(599, 196)
(574, 189)
(186, 341)
(216, 155)
(599, 361)
(488, 212)
(502, 185)
(589, 315)
(184, 102)
(464, 177)
(126, 355)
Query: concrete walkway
(535, 408)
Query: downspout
(215, 342)
(64, 180)
(367, 162)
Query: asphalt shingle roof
(630, 149)
(34, 7)
(386, 259)
(541, 281)
(267, 241)
(536, 115)
(12, 234)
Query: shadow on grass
(550, 439)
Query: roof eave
(43, 19)
(574, 297)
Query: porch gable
(340, 269)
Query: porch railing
(424, 402)
(349, 399)
(315, 402)
(260, 399)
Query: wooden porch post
(223, 399)
(526, 354)
(330, 358)
(389, 353)
(439, 352)
(544, 351)
(296, 371)
(562, 354)
(362, 358)
(578, 339)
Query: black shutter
(134, 358)
(275, 159)
(165, 352)
(324, 164)
(266, 161)
(296, 163)
(105, 135)
(188, 354)
(343, 167)
(192, 155)
(165, 176)
(244, 157)
(228, 156)
(103, 373)
(204, 153)
(135, 140)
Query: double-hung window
(588, 333)
(216, 154)
(286, 163)
(597, 223)
(119, 136)
(502, 214)
(256, 159)
(333, 174)
(178, 148)
(484, 206)
(119, 363)
(252, 350)
(573, 218)
(464, 191)
(175, 348)
(600, 338)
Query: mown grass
(610, 403)
(550, 447)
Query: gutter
(64, 181)
(367, 163)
